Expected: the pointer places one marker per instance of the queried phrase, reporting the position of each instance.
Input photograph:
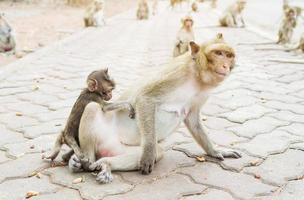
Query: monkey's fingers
(95, 166)
(231, 154)
(104, 177)
(146, 168)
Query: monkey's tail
(58, 143)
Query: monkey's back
(85, 97)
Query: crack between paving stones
(209, 185)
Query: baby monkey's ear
(194, 48)
(92, 85)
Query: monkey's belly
(166, 122)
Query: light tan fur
(142, 10)
(231, 15)
(184, 36)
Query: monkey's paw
(132, 113)
(75, 164)
(104, 176)
(221, 154)
(147, 164)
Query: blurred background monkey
(142, 10)
(289, 22)
(94, 15)
(194, 7)
(233, 15)
(7, 40)
(184, 36)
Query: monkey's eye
(219, 53)
(229, 55)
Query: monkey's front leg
(199, 133)
(145, 111)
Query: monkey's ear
(106, 70)
(92, 85)
(194, 48)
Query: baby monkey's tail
(59, 142)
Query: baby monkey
(99, 89)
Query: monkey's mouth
(7, 49)
(221, 74)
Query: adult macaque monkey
(161, 106)
(99, 90)
(184, 36)
(7, 40)
(233, 15)
(142, 10)
(94, 15)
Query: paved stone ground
(259, 111)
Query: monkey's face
(188, 24)
(106, 90)
(220, 63)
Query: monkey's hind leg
(66, 157)
(124, 162)
(56, 149)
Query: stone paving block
(193, 150)
(61, 114)
(296, 108)
(294, 190)
(68, 103)
(212, 109)
(280, 168)
(172, 187)
(3, 157)
(27, 108)
(89, 189)
(211, 194)
(17, 189)
(266, 144)
(287, 116)
(268, 96)
(62, 194)
(295, 129)
(17, 122)
(173, 139)
(13, 91)
(239, 101)
(255, 127)
(240, 185)
(239, 92)
(169, 163)
(37, 145)
(217, 123)
(244, 114)
(51, 127)
(22, 167)
(297, 146)
(8, 136)
(38, 97)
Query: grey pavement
(259, 111)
